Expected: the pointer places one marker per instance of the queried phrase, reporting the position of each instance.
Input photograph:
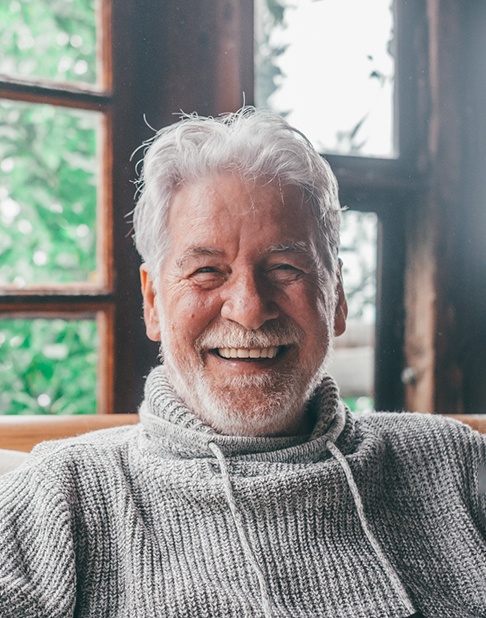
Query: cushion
(11, 459)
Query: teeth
(270, 352)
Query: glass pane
(352, 363)
(48, 366)
(327, 66)
(48, 192)
(49, 39)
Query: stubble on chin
(258, 405)
(270, 403)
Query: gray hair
(255, 144)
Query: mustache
(270, 334)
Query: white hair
(256, 145)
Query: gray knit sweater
(374, 516)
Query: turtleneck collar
(176, 429)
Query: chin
(256, 405)
(257, 418)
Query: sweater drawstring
(243, 536)
(385, 563)
(228, 489)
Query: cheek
(191, 313)
(311, 311)
(307, 304)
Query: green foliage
(47, 194)
(49, 173)
(48, 366)
(48, 154)
(49, 39)
(359, 404)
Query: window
(90, 280)
(156, 58)
(352, 363)
(55, 207)
(339, 90)
(307, 70)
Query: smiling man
(248, 489)
(245, 293)
(247, 308)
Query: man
(248, 489)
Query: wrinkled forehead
(205, 211)
(264, 197)
(221, 202)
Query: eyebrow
(299, 248)
(197, 251)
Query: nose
(248, 302)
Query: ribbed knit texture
(138, 522)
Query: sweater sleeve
(482, 489)
(473, 463)
(37, 565)
(465, 453)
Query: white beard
(270, 403)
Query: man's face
(245, 309)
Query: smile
(252, 353)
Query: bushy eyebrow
(299, 247)
(197, 251)
(296, 248)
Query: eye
(205, 269)
(207, 277)
(285, 267)
(285, 272)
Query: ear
(341, 312)
(150, 313)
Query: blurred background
(390, 92)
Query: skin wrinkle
(240, 296)
(255, 144)
(197, 252)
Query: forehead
(225, 208)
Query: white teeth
(270, 352)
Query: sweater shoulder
(100, 445)
(426, 434)
(390, 423)
(45, 505)
(63, 471)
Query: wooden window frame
(180, 55)
(211, 74)
(78, 300)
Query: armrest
(22, 433)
